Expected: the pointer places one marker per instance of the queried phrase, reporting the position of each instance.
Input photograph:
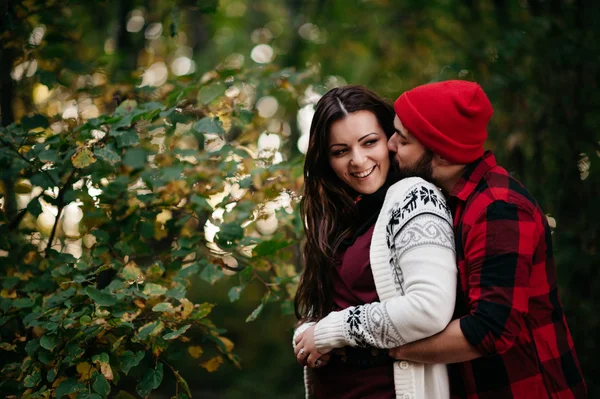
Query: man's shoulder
(498, 187)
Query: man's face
(411, 158)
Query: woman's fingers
(301, 357)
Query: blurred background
(538, 61)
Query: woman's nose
(358, 158)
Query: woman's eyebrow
(366, 135)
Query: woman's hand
(306, 351)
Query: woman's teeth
(363, 174)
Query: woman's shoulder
(409, 184)
(415, 195)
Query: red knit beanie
(449, 118)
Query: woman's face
(358, 152)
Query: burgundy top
(353, 285)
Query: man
(509, 337)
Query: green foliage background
(152, 305)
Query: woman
(379, 260)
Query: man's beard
(422, 168)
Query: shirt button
(404, 366)
(406, 396)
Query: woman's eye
(371, 142)
(338, 153)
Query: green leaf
(102, 358)
(211, 273)
(177, 292)
(68, 386)
(44, 180)
(151, 380)
(51, 375)
(152, 289)
(202, 311)
(130, 360)
(270, 247)
(209, 125)
(21, 303)
(34, 378)
(135, 158)
(126, 138)
(126, 107)
(209, 93)
(83, 157)
(49, 342)
(230, 232)
(108, 154)
(86, 395)
(100, 385)
(47, 78)
(177, 333)
(201, 203)
(34, 121)
(162, 307)
(34, 207)
(245, 116)
(234, 293)
(255, 313)
(100, 298)
(48, 156)
(183, 383)
(150, 329)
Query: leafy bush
(92, 308)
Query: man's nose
(393, 143)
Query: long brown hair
(327, 206)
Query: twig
(54, 182)
(61, 205)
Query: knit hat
(449, 118)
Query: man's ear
(438, 160)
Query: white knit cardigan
(414, 268)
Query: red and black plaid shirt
(507, 299)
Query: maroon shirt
(353, 285)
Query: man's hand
(306, 351)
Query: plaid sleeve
(499, 250)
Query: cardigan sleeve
(420, 252)
(308, 372)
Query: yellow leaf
(188, 308)
(30, 257)
(195, 351)
(132, 273)
(106, 371)
(139, 303)
(58, 380)
(84, 369)
(212, 364)
(159, 231)
(83, 157)
(131, 315)
(8, 294)
(228, 344)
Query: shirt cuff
(477, 335)
(329, 332)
